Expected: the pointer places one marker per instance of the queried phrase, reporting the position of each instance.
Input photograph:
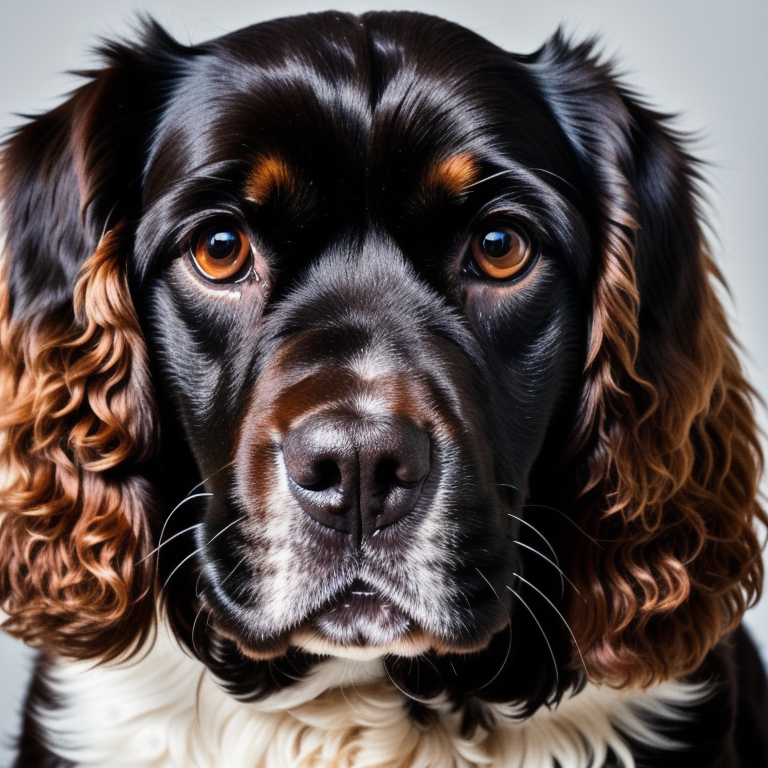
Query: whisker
(546, 541)
(431, 663)
(229, 525)
(175, 535)
(538, 533)
(488, 178)
(567, 517)
(178, 506)
(192, 495)
(200, 548)
(194, 624)
(509, 625)
(297, 678)
(529, 505)
(239, 563)
(560, 178)
(405, 693)
(466, 599)
(559, 569)
(543, 633)
(189, 556)
(555, 609)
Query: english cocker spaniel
(367, 401)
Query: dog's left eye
(501, 252)
(221, 252)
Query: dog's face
(404, 304)
(366, 328)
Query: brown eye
(221, 252)
(501, 252)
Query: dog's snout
(357, 475)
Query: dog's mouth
(360, 622)
(361, 616)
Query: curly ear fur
(76, 412)
(665, 436)
(77, 415)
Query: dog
(367, 401)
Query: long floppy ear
(665, 437)
(76, 411)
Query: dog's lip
(358, 601)
(358, 589)
(361, 615)
(357, 619)
(360, 622)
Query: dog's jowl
(367, 401)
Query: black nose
(356, 475)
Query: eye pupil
(222, 245)
(496, 243)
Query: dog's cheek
(205, 340)
(534, 339)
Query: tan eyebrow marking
(452, 176)
(271, 175)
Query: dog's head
(360, 336)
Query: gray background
(706, 60)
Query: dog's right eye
(502, 252)
(220, 253)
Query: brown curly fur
(77, 413)
(671, 486)
(664, 455)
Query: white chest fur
(164, 710)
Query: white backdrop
(706, 60)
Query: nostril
(317, 476)
(321, 464)
(394, 468)
(399, 458)
(387, 474)
(396, 473)
(318, 456)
